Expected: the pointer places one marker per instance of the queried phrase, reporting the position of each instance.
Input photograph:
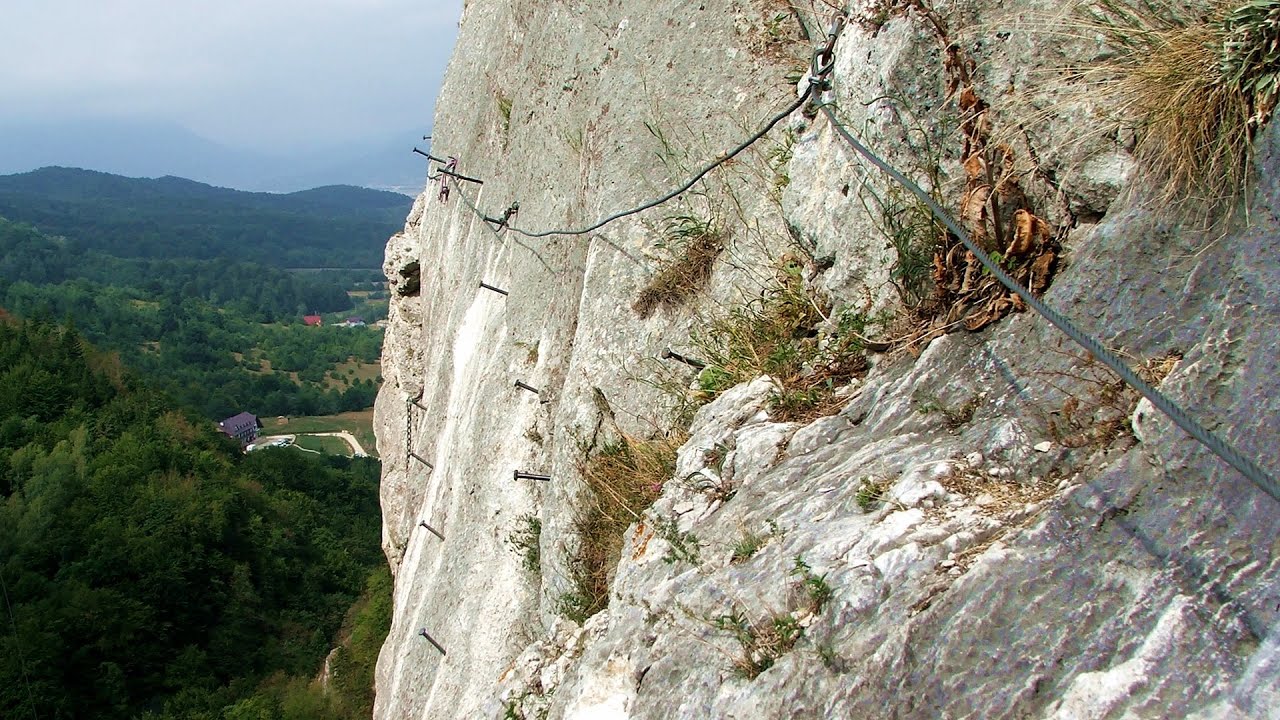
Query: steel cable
(804, 97)
(821, 68)
(1179, 416)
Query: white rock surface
(1129, 580)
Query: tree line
(216, 336)
(152, 570)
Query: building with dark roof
(243, 427)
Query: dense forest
(149, 569)
(172, 218)
(217, 335)
(259, 293)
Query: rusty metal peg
(422, 460)
(433, 531)
(457, 175)
(518, 475)
(530, 388)
(487, 286)
(423, 633)
(667, 353)
(506, 216)
(427, 155)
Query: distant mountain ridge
(139, 148)
(173, 217)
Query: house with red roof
(313, 320)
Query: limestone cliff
(985, 525)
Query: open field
(359, 424)
(323, 443)
(352, 370)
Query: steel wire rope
(1179, 416)
(822, 63)
(457, 187)
(722, 159)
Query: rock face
(974, 532)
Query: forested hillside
(152, 570)
(218, 335)
(174, 218)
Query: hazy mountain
(140, 148)
(171, 217)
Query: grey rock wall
(1005, 572)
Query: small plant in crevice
(622, 478)
(715, 490)
(905, 221)
(765, 641)
(504, 111)
(831, 660)
(714, 485)
(779, 155)
(778, 334)
(531, 350)
(778, 35)
(681, 546)
(870, 492)
(1098, 405)
(814, 587)
(576, 605)
(749, 543)
(762, 643)
(695, 244)
(954, 417)
(716, 456)
(915, 236)
(526, 541)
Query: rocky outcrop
(976, 532)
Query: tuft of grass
(777, 334)
(526, 540)
(697, 244)
(780, 155)
(623, 478)
(750, 543)
(1197, 80)
(953, 418)
(762, 643)
(504, 110)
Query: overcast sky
(258, 74)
